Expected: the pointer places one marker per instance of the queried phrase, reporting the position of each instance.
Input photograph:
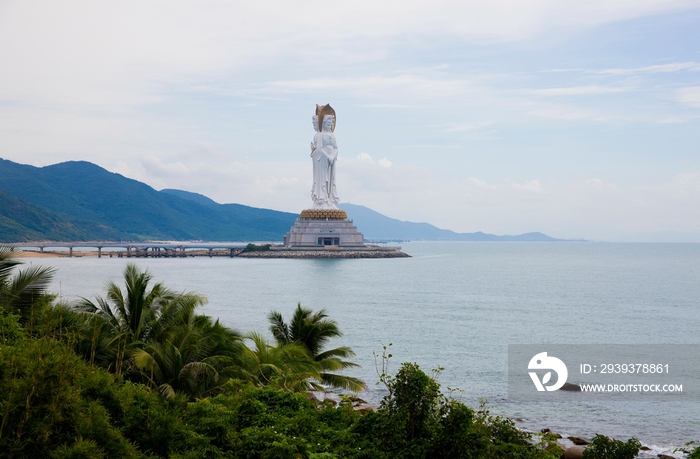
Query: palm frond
(343, 382)
(25, 289)
(335, 364)
(338, 352)
(279, 329)
(7, 263)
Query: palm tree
(313, 331)
(286, 366)
(19, 293)
(197, 358)
(126, 320)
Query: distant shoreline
(38, 254)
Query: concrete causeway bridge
(139, 249)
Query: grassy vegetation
(137, 373)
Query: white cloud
(572, 113)
(590, 90)
(675, 119)
(480, 184)
(156, 167)
(593, 183)
(592, 209)
(85, 52)
(689, 96)
(279, 186)
(531, 186)
(415, 85)
(367, 159)
(469, 127)
(384, 163)
(661, 68)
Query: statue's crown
(322, 111)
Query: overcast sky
(577, 119)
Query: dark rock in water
(665, 456)
(571, 387)
(578, 441)
(550, 433)
(574, 452)
(645, 448)
(313, 398)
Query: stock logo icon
(542, 362)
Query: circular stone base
(323, 214)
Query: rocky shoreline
(573, 447)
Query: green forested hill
(22, 221)
(78, 200)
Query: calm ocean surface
(458, 306)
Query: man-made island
(325, 231)
(365, 251)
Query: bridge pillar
(128, 251)
(210, 252)
(99, 252)
(70, 251)
(41, 249)
(231, 252)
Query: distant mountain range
(376, 226)
(80, 201)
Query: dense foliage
(603, 447)
(138, 374)
(257, 248)
(60, 406)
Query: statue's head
(328, 123)
(322, 111)
(314, 121)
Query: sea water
(458, 306)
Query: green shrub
(45, 411)
(417, 421)
(81, 449)
(603, 447)
(257, 248)
(10, 329)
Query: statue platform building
(318, 228)
(324, 225)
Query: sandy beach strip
(52, 254)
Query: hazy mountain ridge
(376, 226)
(78, 200)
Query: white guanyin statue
(324, 153)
